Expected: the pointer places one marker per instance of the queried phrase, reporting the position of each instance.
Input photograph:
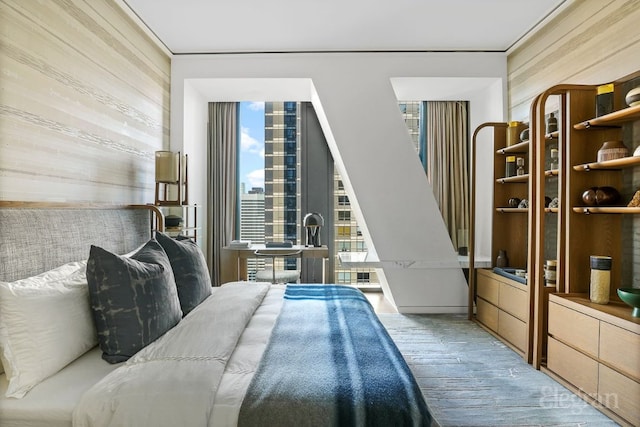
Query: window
(344, 231)
(363, 277)
(344, 215)
(269, 165)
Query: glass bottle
(552, 123)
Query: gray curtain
(447, 137)
(221, 183)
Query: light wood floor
(379, 302)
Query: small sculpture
(635, 201)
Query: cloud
(249, 144)
(256, 178)
(256, 106)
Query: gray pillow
(134, 300)
(189, 269)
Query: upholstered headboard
(36, 237)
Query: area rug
(470, 378)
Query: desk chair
(277, 276)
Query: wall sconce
(171, 178)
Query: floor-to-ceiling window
(271, 189)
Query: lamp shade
(167, 167)
(313, 219)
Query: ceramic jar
(550, 272)
(502, 260)
(611, 150)
(513, 132)
(633, 97)
(599, 287)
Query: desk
(236, 258)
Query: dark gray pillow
(134, 300)
(189, 269)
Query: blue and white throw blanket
(330, 362)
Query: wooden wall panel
(84, 102)
(589, 42)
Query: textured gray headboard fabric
(35, 240)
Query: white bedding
(52, 402)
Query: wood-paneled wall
(589, 42)
(84, 102)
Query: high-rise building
(281, 173)
(252, 224)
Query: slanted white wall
(355, 96)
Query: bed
(105, 322)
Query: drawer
(576, 329)
(575, 367)
(620, 394)
(616, 346)
(488, 288)
(513, 330)
(487, 314)
(514, 301)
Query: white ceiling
(216, 26)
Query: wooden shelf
(625, 162)
(552, 136)
(551, 210)
(512, 210)
(613, 119)
(522, 179)
(606, 210)
(551, 172)
(521, 147)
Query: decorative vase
(633, 97)
(611, 150)
(502, 260)
(589, 196)
(513, 202)
(600, 279)
(607, 196)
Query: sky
(252, 144)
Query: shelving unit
(190, 225)
(500, 304)
(587, 346)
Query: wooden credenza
(594, 350)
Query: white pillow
(45, 323)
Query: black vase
(502, 260)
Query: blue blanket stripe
(361, 379)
